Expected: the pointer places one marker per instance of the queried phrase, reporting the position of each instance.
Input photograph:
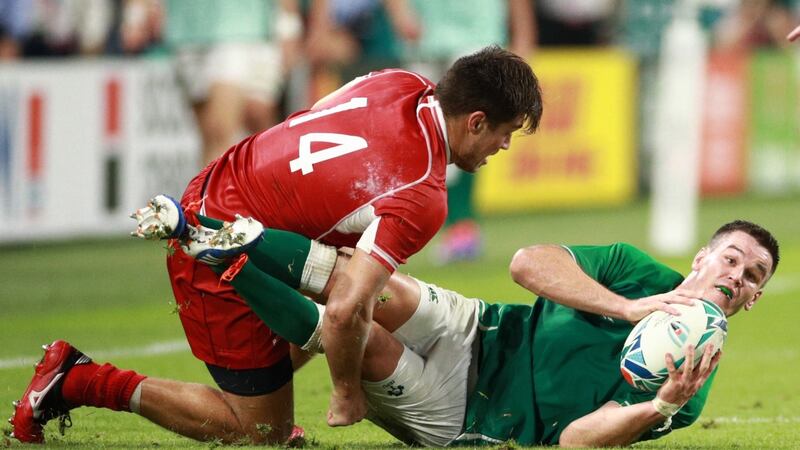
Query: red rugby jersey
(373, 153)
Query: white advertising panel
(82, 144)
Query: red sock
(100, 386)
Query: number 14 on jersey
(342, 143)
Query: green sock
(281, 254)
(287, 312)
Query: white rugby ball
(643, 362)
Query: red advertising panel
(723, 152)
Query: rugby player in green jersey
(441, 369)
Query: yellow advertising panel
(584, 152)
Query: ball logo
(678, 332)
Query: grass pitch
(112, 300)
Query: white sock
(135, 403)
(318, 268)
(314, 343)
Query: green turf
(114, 294)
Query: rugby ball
(643, 362)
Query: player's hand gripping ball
(643, 362)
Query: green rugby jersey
(543, 366)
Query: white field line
(752, 420)
(156, 348)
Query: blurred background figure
(754, 23)
(230, 57)
(15, 24)
(436, 34)
(577, 22)
(52, 28)
(348, 38)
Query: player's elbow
(575, 437)
(525, 264)
(569, 442)
(572, 437)
(519, 264)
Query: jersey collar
(438, 116)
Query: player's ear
(698, 258)
(748, 305)
(476, 121)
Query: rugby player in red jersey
(364, 168)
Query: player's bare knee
(376, 340)
(381, 354)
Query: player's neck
(456, 130)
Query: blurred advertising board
(723, 158)
(584, 152)
(82, 144)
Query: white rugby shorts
(254, 66)
(425, 399)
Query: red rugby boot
(42, 400)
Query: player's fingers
(702, 371)
(670, 361)
(669, 309)
(706, 361)
(714, 362)
(794, 34)
(683, 297)
(688, 362)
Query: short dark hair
(759, 233)
(495, 81)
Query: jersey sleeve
(406, 222)
(607, 263)
(625, 270)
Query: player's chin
(719, 299)
(480, 164)
(471, 168)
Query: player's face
(483, 141)
(739, 267)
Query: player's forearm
(347, 319)
(344, 342)
(611, 425)
(551, 272)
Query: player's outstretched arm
(344, 334)
(551, 272)
(611, 425)
(614, 425)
